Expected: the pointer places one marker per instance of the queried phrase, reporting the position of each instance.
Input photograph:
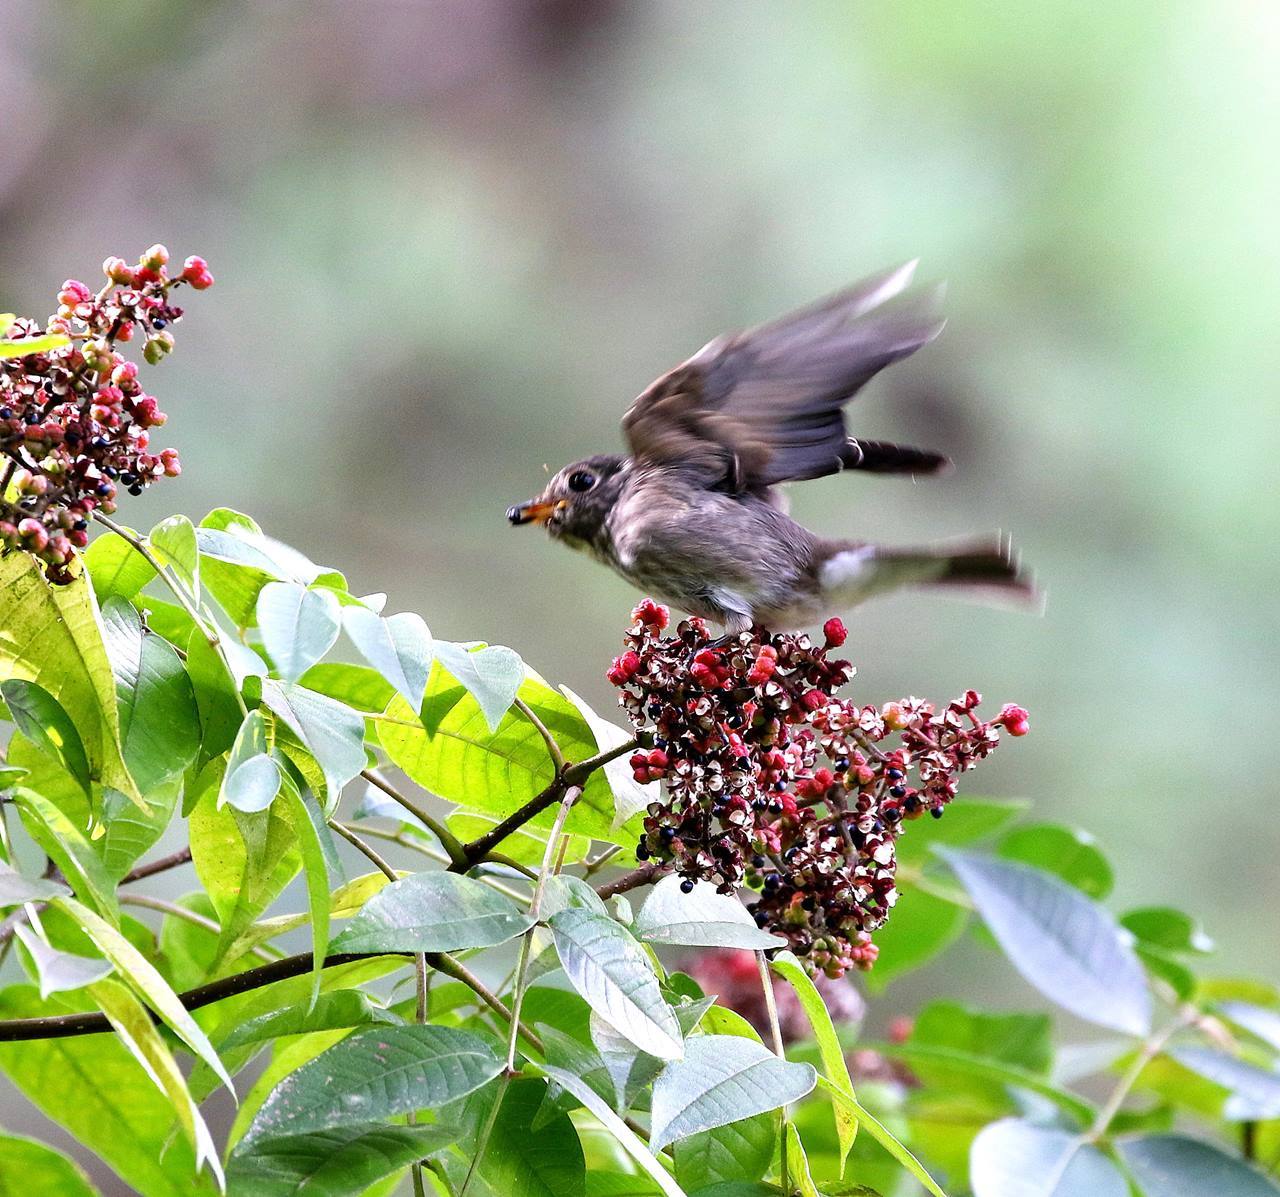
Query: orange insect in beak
(535, 511)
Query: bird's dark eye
(581, 480)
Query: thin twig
(535, 910)
(151, 868)
(775, 1030)
(450, 842)
(553, 747)
(192, 917)
(1153, 1046)
(360, 846)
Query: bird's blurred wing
(765, 406)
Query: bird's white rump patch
(849, 576)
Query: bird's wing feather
(766, 406)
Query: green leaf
(936, 1062)
(95, 1090)
(357, 686)
(1022, 1040)
(1011, 1158)
(29, 345)
(798, 1163)
(1067, 852)
(116, 567)
(398, 647)
(68, 847)
(16, 889)
(159, 720)
(253, 777)
(243, 861)
(316, 849)
(138, 1033)
(332, 732)
(1258, 1021)
(630, 1071)
(522, 1160)
(737, 1151)
(968, 820)
(923, 925)
(60, 972)
(342, 1008)
(1175, 1166)
(606, 965)
(33, 1169)
(433, 912)
(46, 774)
(615, 1126)
(629, 796)
(174, 542)
(1254, 1093)
(721, 1079)
(332, 1163)
(882, 1135)
(562, 891)
(298, 626)
(373, 1074)
(53, 637)
(40, 717)
(1168, 929)
(491, 675)
(215, 691)
(702, 918)
(1065, 945)
(830, 1051)
(496, 772)
(128, 831)
(142, 976)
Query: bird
(694, 515)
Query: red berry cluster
(74, 421)
(774, 782)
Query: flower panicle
(75, 421)
(775, 783)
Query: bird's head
(577, 501)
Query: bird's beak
(535, 511)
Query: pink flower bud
(835, 632)
(32, 531)
(74, 292)
(118, 271)
(1014, 719)
(156, 257)
(195, 271)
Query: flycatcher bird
(693, 514)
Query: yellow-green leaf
(52, 635)
(831, 1053)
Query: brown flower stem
(634, 879)
(163, 864)
(572, 775)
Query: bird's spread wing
(765, 406)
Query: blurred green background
(452, 240)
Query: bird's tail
(884, 457)
(985, 569)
